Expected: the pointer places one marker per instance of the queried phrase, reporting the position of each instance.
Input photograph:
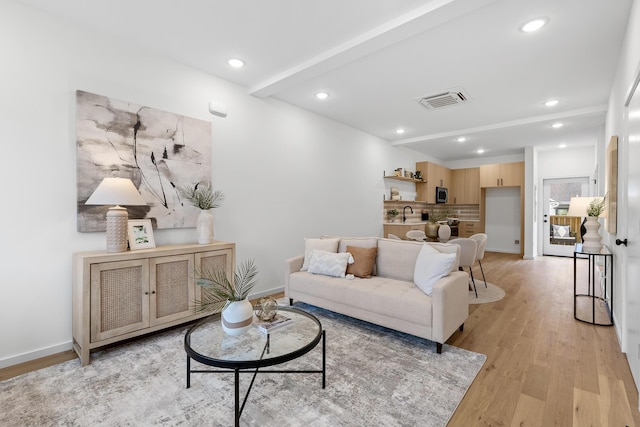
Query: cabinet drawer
(468, 228)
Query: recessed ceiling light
(480, 151)
(236, 63)
(534, 25)
(557, 125)
(462, 139)
(563, 145)
(322, 95)
(551, 103)
(400, 131)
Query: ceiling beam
(579, 113)
(424, 18)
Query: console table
(600, 268)
(117, 296)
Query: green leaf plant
(217, 291)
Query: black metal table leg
(324, 363)
(237, 411)
(188, 372)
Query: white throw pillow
(561, 230)
(329, 263)
(431, 266)
(329, 245)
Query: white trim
(37, 354)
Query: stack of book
(277, 322)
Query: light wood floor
(543, 367)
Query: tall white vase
(591, 241)
(237, 317)
(204, 227)
(444, 233)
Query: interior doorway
(561, 232)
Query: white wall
(568, 162)
(287, 173)
(628, 65)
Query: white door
(556, 195)
(631, 254)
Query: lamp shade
(116, 191)
(578, 205)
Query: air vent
(444, 99)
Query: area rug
(490, 293)
(375, 377)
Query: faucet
(404, 217)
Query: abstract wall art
(159, 151)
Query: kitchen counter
(405, 223)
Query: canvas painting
(159, 151)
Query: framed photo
(140, 234)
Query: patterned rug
(490, 293)
(375, 377)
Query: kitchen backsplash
(462, 212)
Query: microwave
(442, 195)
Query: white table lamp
(116, 191)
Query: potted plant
(202, 196)
(591, 241)
(597, 206)
(431, 228)
(392, 215)
(417, 175)
(218, 293)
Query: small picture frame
(140, 234)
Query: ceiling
(377, 58)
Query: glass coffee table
(208, 344)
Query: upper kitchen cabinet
(465, 186)
(502, 175)
(436, 175)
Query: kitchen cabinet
(465, 186)
(502, 175)
(436, 176)
(468, 228)
(117, 296)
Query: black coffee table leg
(188, 372)
(324, 363)
(237, 411)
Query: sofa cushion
(329, 263)
(397, 258)
(431, 266)
(361, 242)
(389, 297)
(363, 261)
(329, 245)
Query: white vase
(592, 240)
(204, 227)
(444, 233)
(237, 317)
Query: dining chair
(481, 239)
(468, 250)
(418, 235)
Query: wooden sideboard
(117, 296)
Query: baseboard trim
(36, 354)
(62, 347)
(267, 293)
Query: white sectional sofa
(390, 297)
